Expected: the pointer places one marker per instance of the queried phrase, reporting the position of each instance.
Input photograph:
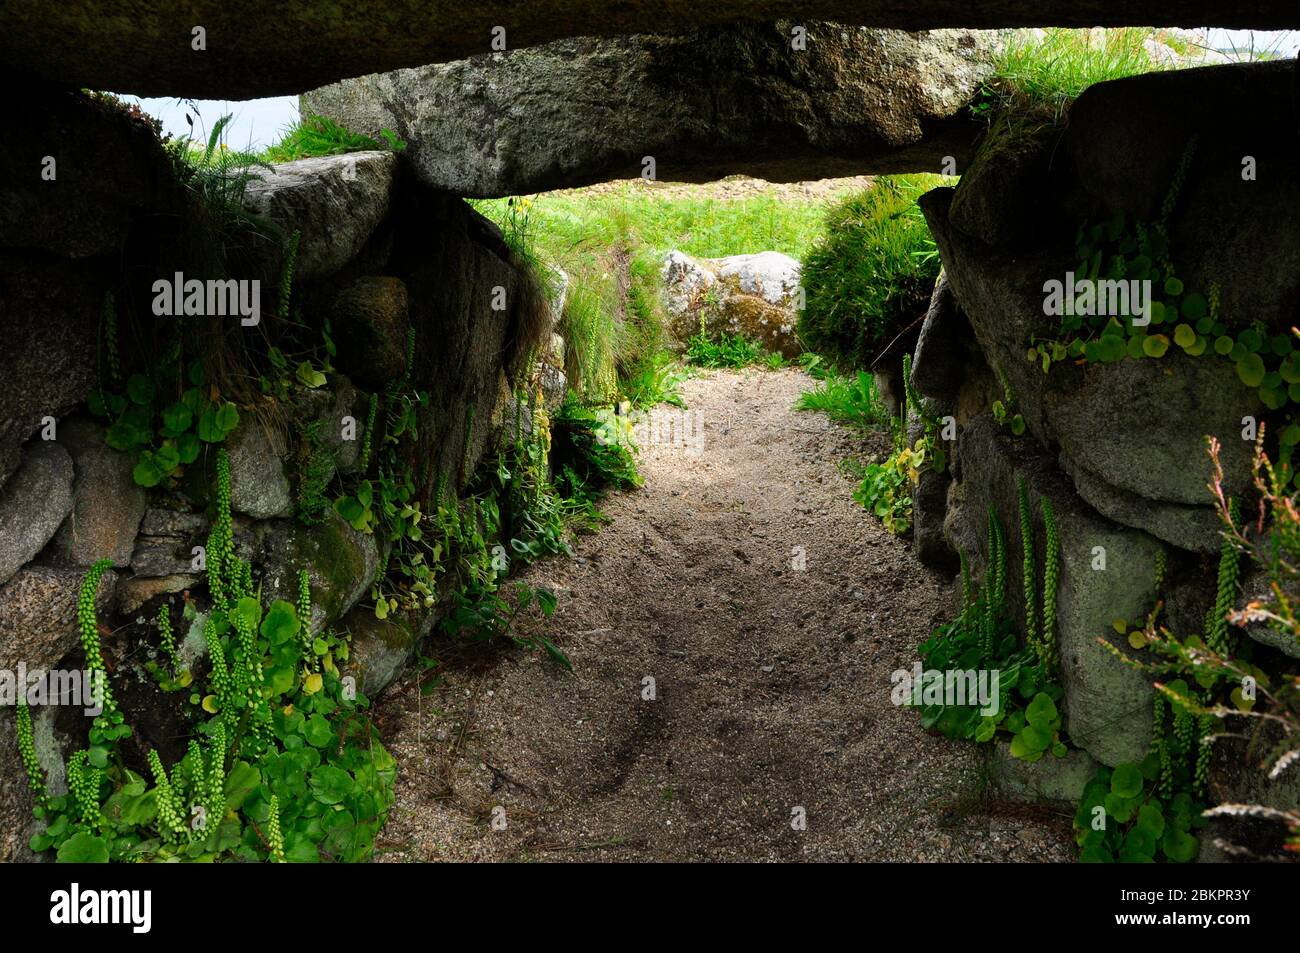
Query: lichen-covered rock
(379, 648)
(35, 501)
(341, 564)
(1239, 232)
(1139, 424)
(1050, 780)
(38, 614)
(451, 259)
(929, 506)
(1187, 527)
(370, 321)
(107, 502)
(554, 386)
(335, 203)
(259, 485)
(753, 295)
(148, 51)
(702, 104)
(1107, 573)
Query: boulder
(259, 485)
(451, 258)
(1102, 418)
(147, 49)
(379, 648)
(1107, 704)
(335, 203)
(1058, 781)
(51, 310)
(38, 614)
(370, 320)
(35, 501)
(1100, 414)
(702, 104)
(938, 362)
(554, 385)
(107, 502)
(752, 295)
(341, 564)
(318, 416)
(165, 544)
(1187, 527)
(108, 168)
(134, 592)
(929, 506)
(557, 292)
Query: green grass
(320, 136)
(872, 273)
(571, 224)
(656, 381)
(1048, 74)
(611, 242)
(853, 401)
(726, 350)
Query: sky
(258, 122)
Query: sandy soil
(770, 684)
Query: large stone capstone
(845, 100)
(247, 49)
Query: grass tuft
(872, 273)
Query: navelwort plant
(983, 638)
(280, 761)
(886, 488)
(1119, 249)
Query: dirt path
(771, 684)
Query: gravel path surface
(771, 684)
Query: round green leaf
(1155, 345)
(1126, 780)
(1041, 711)
(1251, 370)
(147, 472)
(317, 731)
(330, 785)
(1151, 820)
(187, 448)
(1179, 846)
(281, 622)
(83, 848)
(228, 417)
(140, 389)
(177, 419)
(1273, 397)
